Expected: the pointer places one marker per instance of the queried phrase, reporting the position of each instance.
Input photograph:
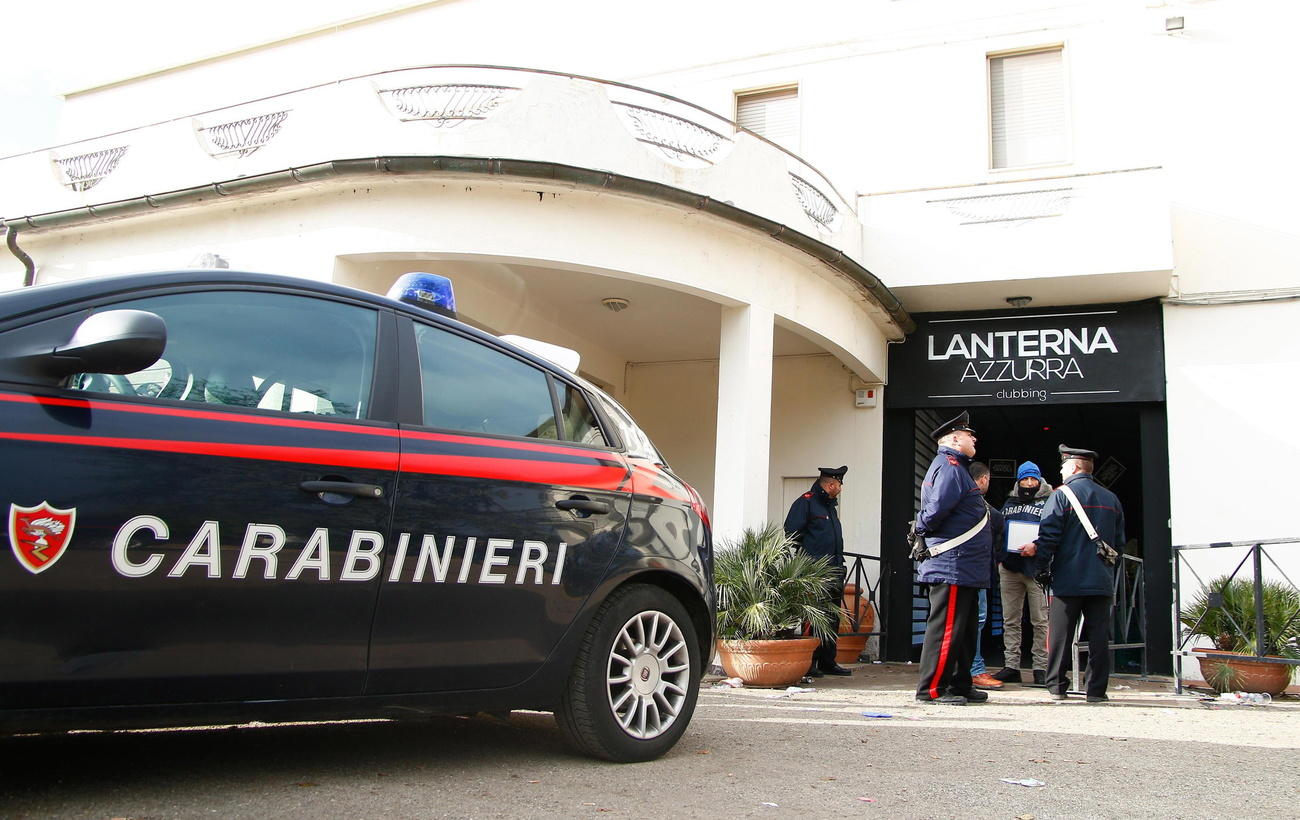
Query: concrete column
(740, 473)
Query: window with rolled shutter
(773, 113)
(1027, 108)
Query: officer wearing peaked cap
(836, 473)
(1082, 582)
(959, 422)
(1075, 452)
(955, 524)
(814, 524)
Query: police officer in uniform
(1082, 584)
(814, 524)
(955, 523)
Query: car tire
(635, 680)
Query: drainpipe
(29, 267)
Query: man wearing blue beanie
(1016, 569)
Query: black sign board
(1073, 355)
(1002, 467)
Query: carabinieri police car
(235, 496)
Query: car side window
(472, 387)
(580, 423)
(635, 441)
(270, 351)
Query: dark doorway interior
(1028, 433)
(1013, 435)
(1131, 442)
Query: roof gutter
(473, 166)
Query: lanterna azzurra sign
(1061, 356)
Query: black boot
(1007, 675)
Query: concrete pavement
(748, 753)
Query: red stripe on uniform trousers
(947, 641)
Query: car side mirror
(115, 341)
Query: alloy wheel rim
(648, 674)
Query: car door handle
(343, 488)
(585, 505)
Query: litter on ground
(1024, 781)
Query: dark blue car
(235, 497)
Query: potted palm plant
(1224, 612)
(767, 592)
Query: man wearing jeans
(980, 677)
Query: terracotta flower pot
(767, 663)
(1246, 674)
(866, 612)
(849, 648)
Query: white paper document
(1020, 533)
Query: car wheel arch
(687, 594)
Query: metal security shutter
(773, 114)
(1027, 107)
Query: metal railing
(856, 574)
(1260, 640)
(1128, 615)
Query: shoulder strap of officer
(1079, 511)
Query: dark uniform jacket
(950, 505)
(814, 523)
(998, 535)
(1066, 548)
(1017, 509)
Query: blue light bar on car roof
(426, 290)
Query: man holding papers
(1017, 566)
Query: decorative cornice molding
(242, 137)
(815, 204)
(680, 140)
(445, 105)
(82, 172)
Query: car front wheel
(634, 683)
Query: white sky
(56, 46)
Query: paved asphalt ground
(748, 753)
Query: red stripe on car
(593, 475)
(365, 459)
(514, 444)
(209, 415)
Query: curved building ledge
(466, 167)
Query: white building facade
(1092, 199)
